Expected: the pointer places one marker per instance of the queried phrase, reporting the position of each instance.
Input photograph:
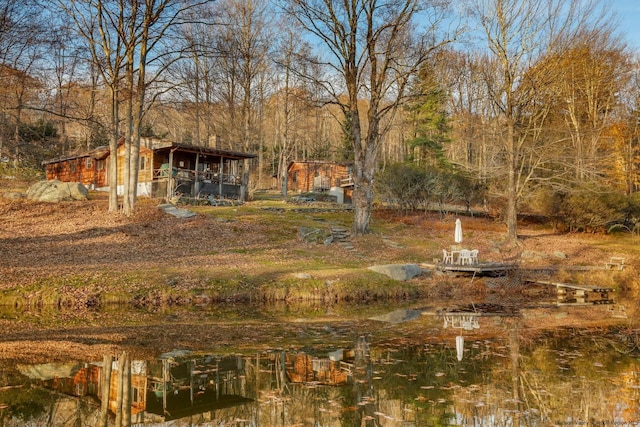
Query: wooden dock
(572, 294)
(479, 269)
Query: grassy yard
(78, 254)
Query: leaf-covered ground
(84, 252)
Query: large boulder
(55, 191)
(400, 272)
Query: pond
(481, 364)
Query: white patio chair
(474, 256)
(465, 257)
(447, 257)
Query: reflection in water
(174, 386)
(565, 377)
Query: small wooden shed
(320, 176)
(87, 167)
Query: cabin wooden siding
(145, 171)
(302, 175)
(302, 368)
(87, 170)
(138, 394)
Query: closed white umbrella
(457, 237)
(459, 346)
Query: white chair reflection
(466, 321)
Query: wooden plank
(554, 268)
(586, 288)
(617, 262)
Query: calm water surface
(469, 365)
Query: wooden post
(196, 182)
(170, 176)
(220, 177)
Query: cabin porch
(200, 173)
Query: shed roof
(95, 153)
(318, 163)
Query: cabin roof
(162, 145)
(156, 145)
(96, 153)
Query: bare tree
(20, 50)
(630, 130)
(98, 26)
(291, 101)
(587, 82)
(518, 34)
(373, 49)
(124, 37)
(146, 38)
(195, 72)
(243, 45)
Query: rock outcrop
(400, 272)
(55, 191)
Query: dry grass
(75, 255)
(76, 244)
(77, 251)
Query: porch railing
(346, 182)
(191, 175)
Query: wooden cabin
(305, 368)
(166, 169)
(320, 176)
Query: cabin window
(294, 177)
(88, 163)
(181, 163)
(99, 164)
(72, 166)
(142, 163)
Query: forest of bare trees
(510, 105)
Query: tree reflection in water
(564, 376)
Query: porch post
(170, 176)
(220, 177)
(196, 183)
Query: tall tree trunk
(512, 191)
(127, 207)
(364, 169)
(113, 152)
(129, 167)
(126, 391)
(121, 390)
